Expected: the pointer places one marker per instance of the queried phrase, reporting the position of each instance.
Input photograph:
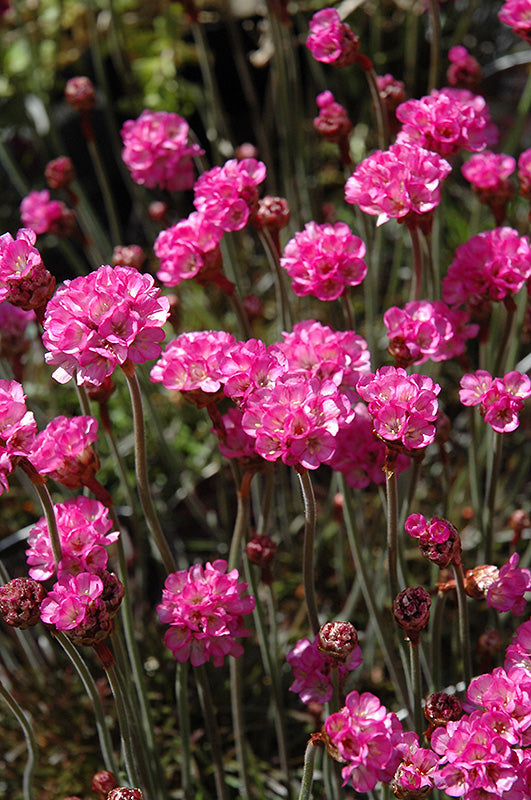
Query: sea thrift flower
(24, 280)
(507, 592)
(235, 443)
(338, 640)
(489, 175)
(80, 93)
(500, 399)
(102, 783)
(464, 71)
(261, 550)
(367, 737)
(439, 540)
(20, 602)
(43, 215)
(333, 124)
(446, 121)
(250, 365)
(479, 580)
(272, 214)
(323, 260)
(403, 407)
(403, 183)
(332, 41)
(17, 429)
(425, 330)
(125, 793)
(84, 532)
(414, 776)
(228, 195)
(96, 323)
(392, 92)
(189, 249)
(59, 173)
(312, 670)
(524, 173)
(517, 14)
(64, 451)
(204, 607)
(128, 255)
(157, 151)
(490, 266)
(518, 654)
(14, 322)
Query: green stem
(238, 726)
(435, 49)
(416, 284)
(347, 310)
(142, 473)
(382, 126)
(183, 709)
(126, 724)
(49, 513)
(207, 707)
(307, 771)
(464, 632)
(31, 744)
(308, 549)
(392, 531)
(436, 619)
(241, 526)
(106, 190)
(417, 686)
(278, 272)
(499, 366)
(493, 475)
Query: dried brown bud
(103, 782)
(125, 793)
(441, 708)
(20, 602)
(80, 93)
(479, 580)
(411, 609)
(338, 639)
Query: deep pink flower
(39, 213)
(188, 249)
(204, 607)
(399, 183)
(63, 450)
(333, 122)
(489, 175)
(312, 670)
(332, 41)
(392, 92)
(157, 151)
(323, 260)
(508, 592)
(96, 323)
(24, 280)
(403, 407)
(414, 776)
(518, 654)
(489, 266)
(65, 605)
(425, 330)
(227, 195)
(517, 14)
(464, 70)
(13, 341)
(500, 399)
(524, 173)
(191, 362)
(84, 532)
(446, 121)
(17, 429)
(236, 443)
(250, 365)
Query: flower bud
(125, 793)
(103, 782)
(441, 708)
(490, 643)
(411, 609)
(338, 639)
(246, 150)
(20, 602)
(129, 255)
(261, 550)
(157, 211)
(59, 173)
(80, 93)
(272, 214)
(479, 580)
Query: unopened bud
(20, 602)
(479, 580)
(338, 639)
(59, 173)
(80, 93)
(103, 782)
(128, 255)
(125, 793)
(411, 609)
(272, 214)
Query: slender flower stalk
(416, 681)
(183, 710)
(435, 44)
(307, 773)
(464, 630)
(31, 744)
(239, 727)
(207, 707)
(47, 505)
(492, 479)
(416, 285)
(308, 549)
(391, 486)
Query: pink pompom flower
(157, 151)
(507, 593)
(464, 71)
(333, 124)
(189, 249)
(96, 323)
(517, 14)
(332, 41)
(403, 183)
(312, 670)
(500, 399)
(489, 175)
(323, 260)
(41, 214)
(204, 607)
(228, 195)
(17, 429)
(24, 280)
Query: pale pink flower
(204, 607)
(191, 362)
(312, 670)
(323, 260)
(517, 14)
(403, 182)
(63, 450)
(414, 776)
(489, 175)
(96, 323)
(332, 41)
(24, 280)
(188, 249)
(17, 429)
(84, 533)
(464, 71)
(403, 407)
(489, 266)
(228, 195)
(507, 593)
(157, 151)
(39, 213)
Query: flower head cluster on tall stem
(438, 539)
(204, 607)
(517, 14)
(312, 670)
(189, 249)
(464, 70)
(500, 399)
(42, 215)
(228, 195)
(24, 280)
(96, 323)
(489, 175)
(332, 41)
(157, 151)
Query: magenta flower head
(490, 266)
(403, 183)
(14, 322)
(43, 215)
(507, 593)
(464, 71)
(204, 607)
(489, 175)
(332, 41)
(323, 260)
(96, 323)
(333, 124)
(500, 399)
(524, 173)
(189, 249)
(517, 14)
(228, 195)
(518, 654)
(24, 280)
(63, 450)
(439, 540)
(312, 670)
(403, 407)
(157, 151)
(17, 429)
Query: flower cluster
(332, 41)
(367, 737)
(96, 323)
(204, 607)
(415, 773)
(518, 654)
(248, 366)
(392, 92)
(42, 215)
(500, 399)
(312, 670)
(17, 429)
(524, 173)
(84, 531)
(403, 407)
(489, 175)
(228, 195)
(188, 249)
(403, 182)
(157, 151)
(439, 540)
(323, 260)
(24, 280)
(425, 330)
(333, 124)
(63, 450)
(517, 14)
(489, 266)
(446, 121)
(464, 71)
(507, 591)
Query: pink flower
(24, 280)
(312, 670)
(13, 341)
(227, 195)
(439, 540)
(402, 183)
(392, 92)
(490, 266)
(157, 151)
(39, 213)
(489, 175)
(517, 14)
(464, 71)
(403, 407)
(64, 451)
(518, 654)
(236, 443)
(524, 173)
(446, 121)
(507, 593)
(332, 41)
(250, 365)
(84, 532)
(414, 776)
(425, 330)
(500, 399)
(17, 429)
(204, 607)
(188, 249)
(96, 323)
(323, 260)
(367, 737)
(333, 122)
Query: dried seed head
(125, 793)
(20, 602)
(338, 639)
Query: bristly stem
(308, 549)
(31, 744)
(307, 771)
